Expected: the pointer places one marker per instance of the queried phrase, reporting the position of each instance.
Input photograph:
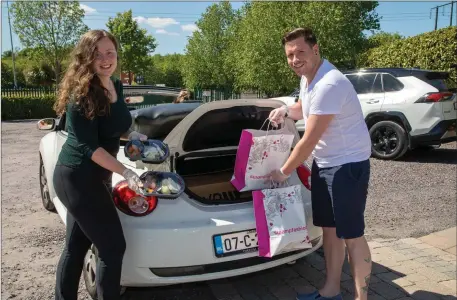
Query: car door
(369, 90)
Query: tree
(166, 69)
(205, 63)
(135, 43)
(257, 55)
(382, 38)
(50, 27)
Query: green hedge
(15, 108)
(435, 50)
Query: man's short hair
(306, 33)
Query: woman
(97, 117)
(183, 96)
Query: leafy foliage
(207, 49)
(135, 43)
(14, 108)
(242, 49)
(165, 69)
(49, 28)
(435, 50)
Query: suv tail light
(304, 173)
(435, 97)
(130, 203)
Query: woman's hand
(137, 136)
(133, 180)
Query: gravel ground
(407, 198)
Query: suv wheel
(388, 140)
(45, 197)
(90, 271)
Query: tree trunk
(130, 77)
(57, 71)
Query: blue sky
(171, 22)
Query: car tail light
(130, 203)
(304, 173)
(435, 97)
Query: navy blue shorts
(339, 195)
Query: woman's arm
(107, 161)
(86, 132)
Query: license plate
(235, 243)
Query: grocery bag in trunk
(280, 220)
(259, 153)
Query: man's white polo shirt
(347, 138)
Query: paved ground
(402, 269)
(418, 202)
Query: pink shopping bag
(259, 153)
(280, 220)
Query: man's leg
(360, 260)
(334, 248)
(349, 195)
(334, 251)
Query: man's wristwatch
(287, 111)
(282, 173)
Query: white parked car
(403, 108)
(176, 242)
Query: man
(338, 138)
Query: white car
(403, 108)
(176, 241)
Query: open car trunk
(203, 146)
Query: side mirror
(46, 124)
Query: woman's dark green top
(85, 135)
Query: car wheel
(45, 197)
(388, 140)
(90, 271)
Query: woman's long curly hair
(80, 83)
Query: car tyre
(44, 189)
(90, 271)
(389, 140)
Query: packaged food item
(162, 184)
(150, 151)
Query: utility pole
(436, 18)
(436, 12)
(452, 11)
(12, 46)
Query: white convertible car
(208, 232)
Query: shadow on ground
(438, 156)
(282, 283)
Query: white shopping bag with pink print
(280, 220)
(259, 153)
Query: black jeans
(91, 219)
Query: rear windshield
(439, 80)
(440, 84)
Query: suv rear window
(366, 83)
(391, 84)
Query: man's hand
(278, 115)
(137, 136)
(278, 176)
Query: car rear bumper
(443, 132)
(146, 277)
(173, 251)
